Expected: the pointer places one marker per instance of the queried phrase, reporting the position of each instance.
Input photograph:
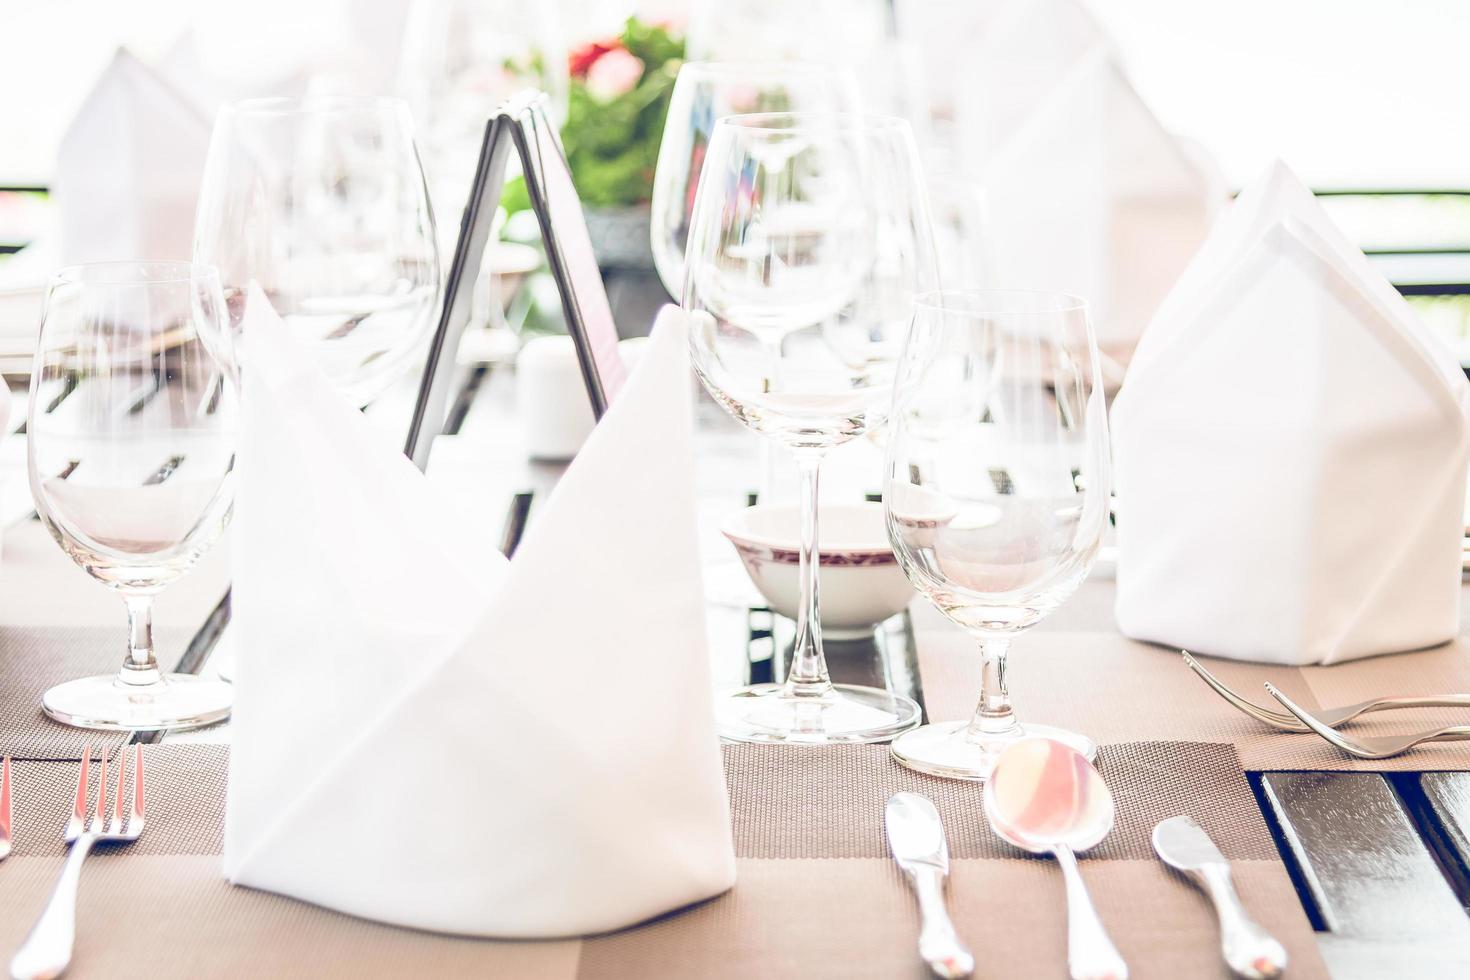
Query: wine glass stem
(993, 716)
(140, 669)
(808, 674)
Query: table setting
(900, 601)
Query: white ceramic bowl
(861, 582)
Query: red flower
(579, 61)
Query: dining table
(1360, 868)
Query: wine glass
(996, 492)
(705, 92)
(321, 200)
(461, 59)
(810, 237)
(131, 453)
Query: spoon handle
(1091, 955)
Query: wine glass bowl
(808, 238)
(996, 487)
(131, 455)
(322, 202)
(705, 92)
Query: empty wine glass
(461, 59)
(996, 493)
(131, 453)
(321, 200)
(705, 92)
(810, 237)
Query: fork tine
(138, 784)
(118, 809)
(78, 821)
(5, 807)
(1276, 719)
(99, 823)
(1329, 734)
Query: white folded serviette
(128, 168)
(1085, 189)
(428, 735)
(1291, 448)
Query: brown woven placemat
(1089, 677)
(37, 657)
(58, 624)
(827, 802)
(817, 895)
(184, 791)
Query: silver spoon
(1045, 797)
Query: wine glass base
(178, 702)
(846, 714)
(945, 750)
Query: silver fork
(1328, 716)
(47, 950)
(1370, 746)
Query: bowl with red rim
(860, 579)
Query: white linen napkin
(428, 735)
(1085, 189)
(1291, 448)
(128, 168)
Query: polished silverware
(1370, 746)
(916, 838)
(1249, 950)
(1044, 796)
(47, 950)
(1329, 716)
(5, 809)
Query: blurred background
(1362, 98)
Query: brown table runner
(57, 624)
(817, 894)
(1078, 671)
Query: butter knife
(1249, 950)
(916, 837)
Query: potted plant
(617, 99)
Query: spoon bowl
(1048, 794)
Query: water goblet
(996, 489)
(704, 93)
(131, 453)
(321, 201)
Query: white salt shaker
(551, 400)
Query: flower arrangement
(617, 99)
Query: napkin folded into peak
(128, 168)
(1291, 449)
(429, 735)
(1086, 190)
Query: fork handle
(47, 950)
(1433, 701)
(1458, 733)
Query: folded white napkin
(1291, 448)
(128, 168)
(428, 735)
(1085, 189)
